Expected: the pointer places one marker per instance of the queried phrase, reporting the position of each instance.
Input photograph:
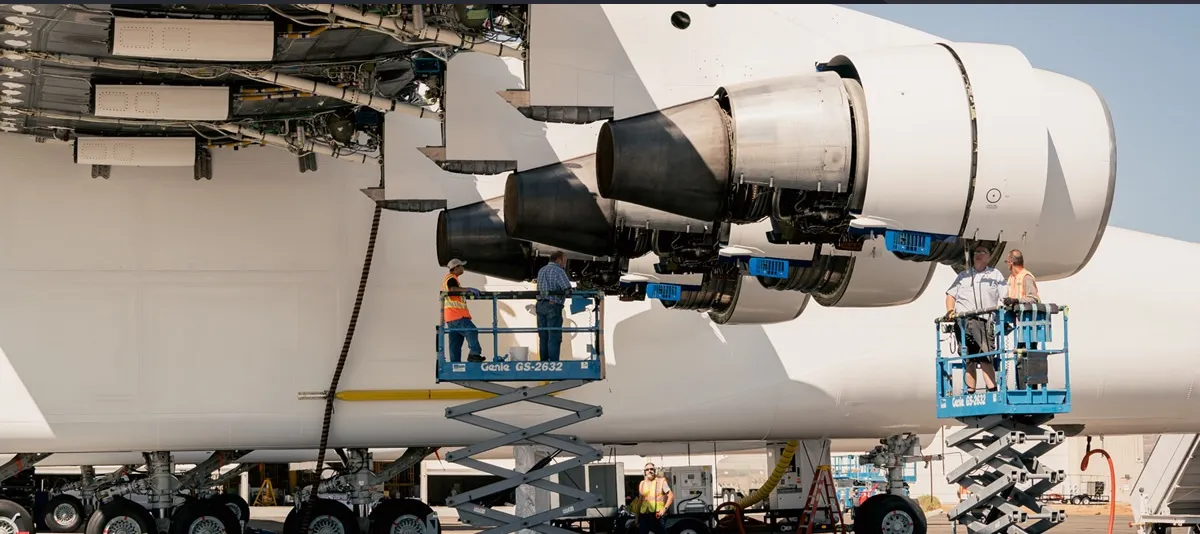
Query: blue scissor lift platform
(555, 377)
(1007, 428)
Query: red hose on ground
(1112, 483)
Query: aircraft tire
(131, 516)
(65, 513)
(16, 516)
(324, 510)
(204, 515)
(400, 516)
(887, 513)
(235, 502)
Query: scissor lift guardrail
(1006, 429)
(556, 377)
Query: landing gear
(65, 513)
(389, 516)
(14, 518)
(892, 512)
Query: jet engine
(475, 233)
(924, 146)
(558, 205)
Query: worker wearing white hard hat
(457, 316)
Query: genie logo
(978, 399)
(494, 367)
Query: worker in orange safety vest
(1022, 288)
(456, 315)
(654, 499)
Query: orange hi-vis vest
(652, 495)
(455, 307)
(1016, 285)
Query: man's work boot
(475, 358)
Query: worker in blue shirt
(552, 284)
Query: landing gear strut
(892, 512)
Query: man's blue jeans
(456, 339)
(550, 315)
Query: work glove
(950, 315)
(474, 292)
(1009, 301)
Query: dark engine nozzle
(676, 160)
(789, 133)
(475, 234)
(557, 205)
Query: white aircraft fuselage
(150, 311)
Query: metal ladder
(1007, 430)
(556, 377)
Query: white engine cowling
(1080, 181)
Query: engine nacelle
(559, 205)
(839, 278)
(1081, 179)
(939, 142)
(475, 233)
(730, 298)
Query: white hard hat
(455, 263)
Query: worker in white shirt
(979, 287)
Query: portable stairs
(1167, 492)
(474, 507)
(1007, 429)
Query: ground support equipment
(1007, 429)
(557, 377)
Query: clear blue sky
(1144, 60)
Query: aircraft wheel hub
(407, 524)
(897, 522)
(8, 526)
(206, 524)
(122, 524)
(326, 524)
(65, 514)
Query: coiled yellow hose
(780, 468)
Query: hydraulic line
(1112, 480)
(306, 511)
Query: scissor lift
(556, 377)
(1007, 429)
